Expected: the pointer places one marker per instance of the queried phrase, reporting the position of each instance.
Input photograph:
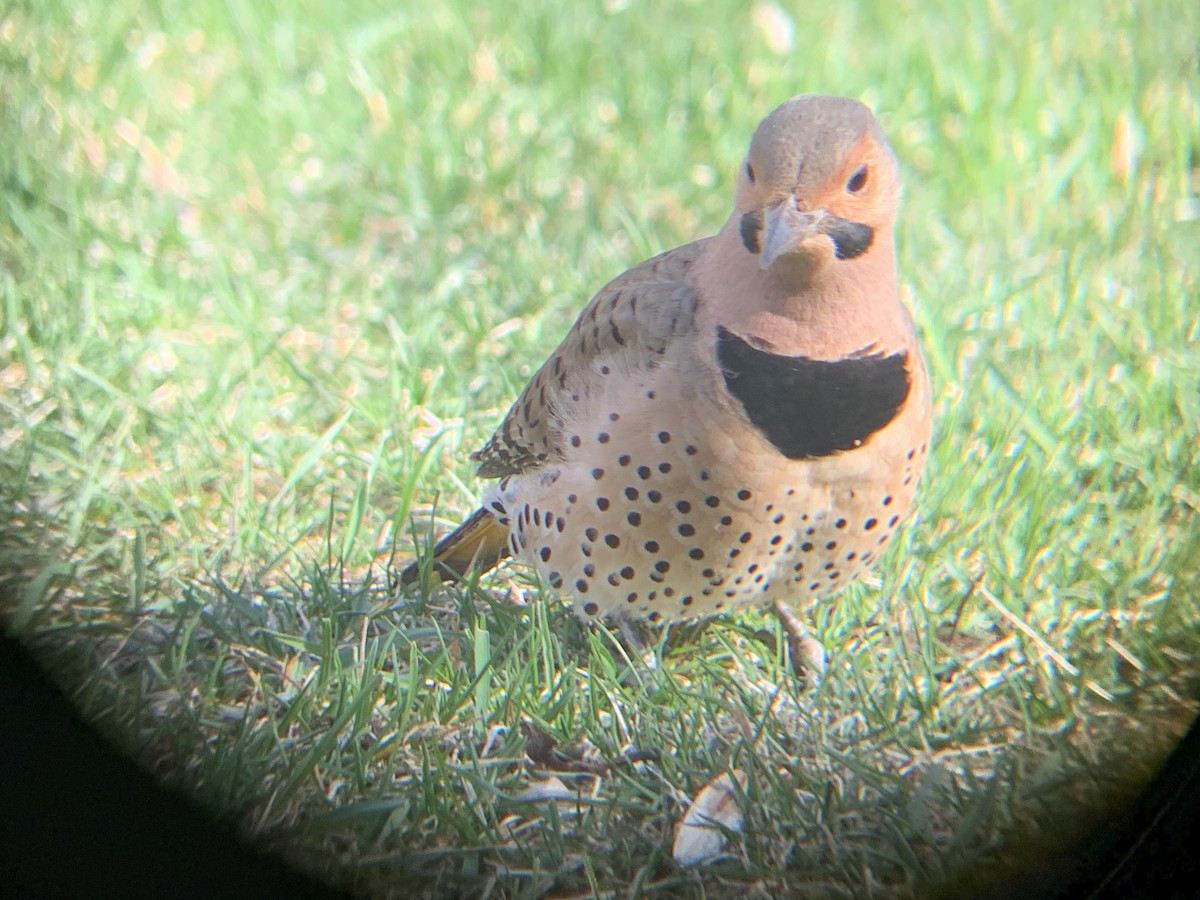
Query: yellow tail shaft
(477, 544)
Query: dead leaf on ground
(702, 833)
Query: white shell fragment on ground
(551, 788)
(700, 836)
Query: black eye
(750, 171)
(857, 181)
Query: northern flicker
(741, 420)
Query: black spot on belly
(810, 408)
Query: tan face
(818, 183)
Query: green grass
(267, 277)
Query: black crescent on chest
(809, 408)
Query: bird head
(818, 185)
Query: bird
(740, 421)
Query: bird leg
(807, 653)
(639, 639)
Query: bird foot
(639, 640)
(807, 654)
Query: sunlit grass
(268, 276)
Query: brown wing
(628, 324)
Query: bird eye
(750, 171)
(857, 181)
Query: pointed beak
(784, 227)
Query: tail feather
(477, 544)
